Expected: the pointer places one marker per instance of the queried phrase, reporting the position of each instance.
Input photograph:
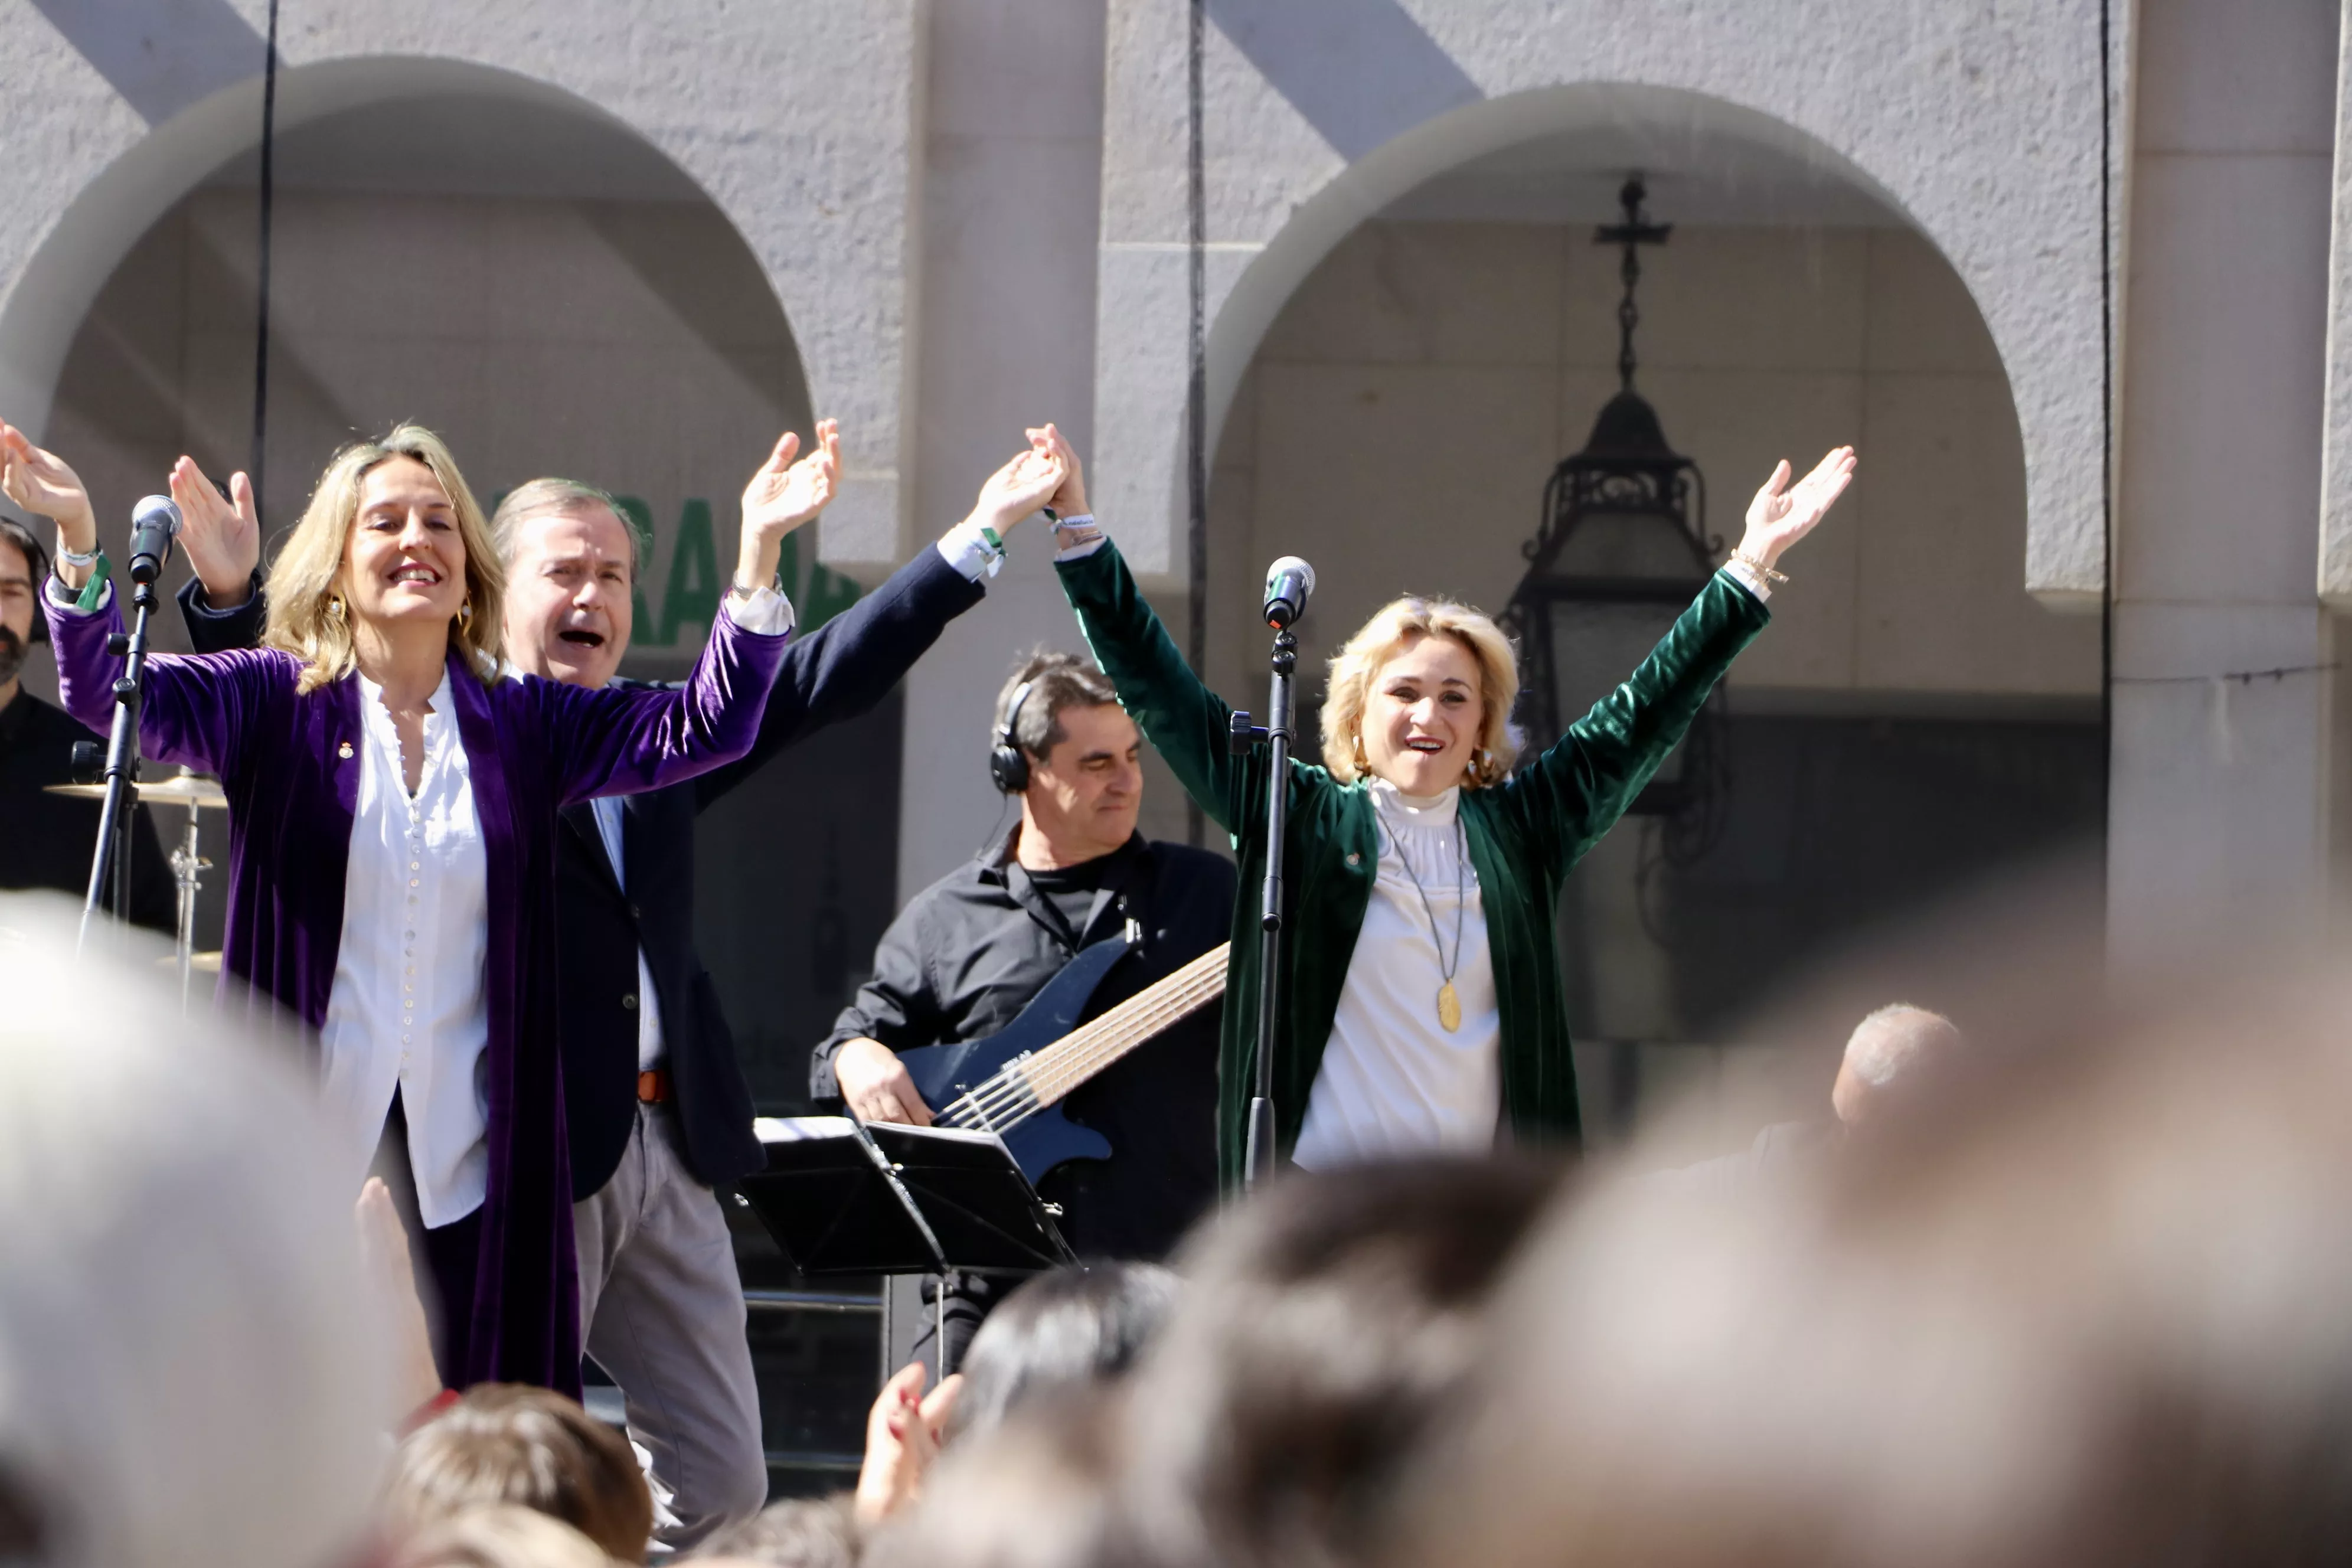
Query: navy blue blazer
(836, 672)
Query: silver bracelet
(76, 559)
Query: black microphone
(1288, 582)
(153, 521)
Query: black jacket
(837, 672)
(967, 954)
(47, 840)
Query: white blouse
(1393, 1081)
(408, 1013)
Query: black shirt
(47, 840)
(968, 952)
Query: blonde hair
(1355, 665)
(306, 617)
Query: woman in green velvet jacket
(1424, 1007)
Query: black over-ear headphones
(1008, 764)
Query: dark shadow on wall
(162, 56)
(1838, 829)
(1360, 71)
(796, 874)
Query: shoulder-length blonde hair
(307, 614)
(1355, 666)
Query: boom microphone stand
(153, 524)
(1288, 584)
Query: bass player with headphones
(967, 954)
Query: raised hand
(1781, 514)
(1018, 489)
(1070, 500)
(784, 494)
(223, 538)
(43, 483)
(903, 1431)
(392, 1273)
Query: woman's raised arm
(1578, 788)
(1186, 723)
(192, 711)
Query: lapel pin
(344, 751)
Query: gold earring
(1364, 762)
(335, 606)
(466, 611)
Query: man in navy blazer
(657, 1110)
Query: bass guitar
(1011, 1083)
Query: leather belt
(653, 1087)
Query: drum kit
(193, 793)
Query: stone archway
(1404, 376)
(527, 275)
(1317, 113)
(796, 124)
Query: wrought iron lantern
(1620, 552)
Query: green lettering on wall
(638, 518)
(694, 581)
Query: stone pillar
(1004, 338)
(2218, 810)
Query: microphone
(1288, 582)
(153, 521)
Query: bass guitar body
(1044, 1138)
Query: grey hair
(537, 498)
(1056, 681)
(1891, 1037)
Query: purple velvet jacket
(290, 765)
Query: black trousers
(969, 1299)
(448, 1258)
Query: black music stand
(842, 1197)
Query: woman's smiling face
(407, 559)
(1423, 712)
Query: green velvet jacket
(1524, 835)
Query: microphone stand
(112, 858)
(1259, 1156)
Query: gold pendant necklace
(1449, 1002)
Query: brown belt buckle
(653, 1087)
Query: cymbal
(181, 789)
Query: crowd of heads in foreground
(2068, 1285)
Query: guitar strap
(1049, 914)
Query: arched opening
(1400, 378)
(526, 274)
(523, 272)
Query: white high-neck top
(1392, 1081)
(408, 1013)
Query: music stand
(844, 1197)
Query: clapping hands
(784, 494)
(43, 484)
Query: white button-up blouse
(408, 1013)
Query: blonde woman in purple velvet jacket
(393, 797)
